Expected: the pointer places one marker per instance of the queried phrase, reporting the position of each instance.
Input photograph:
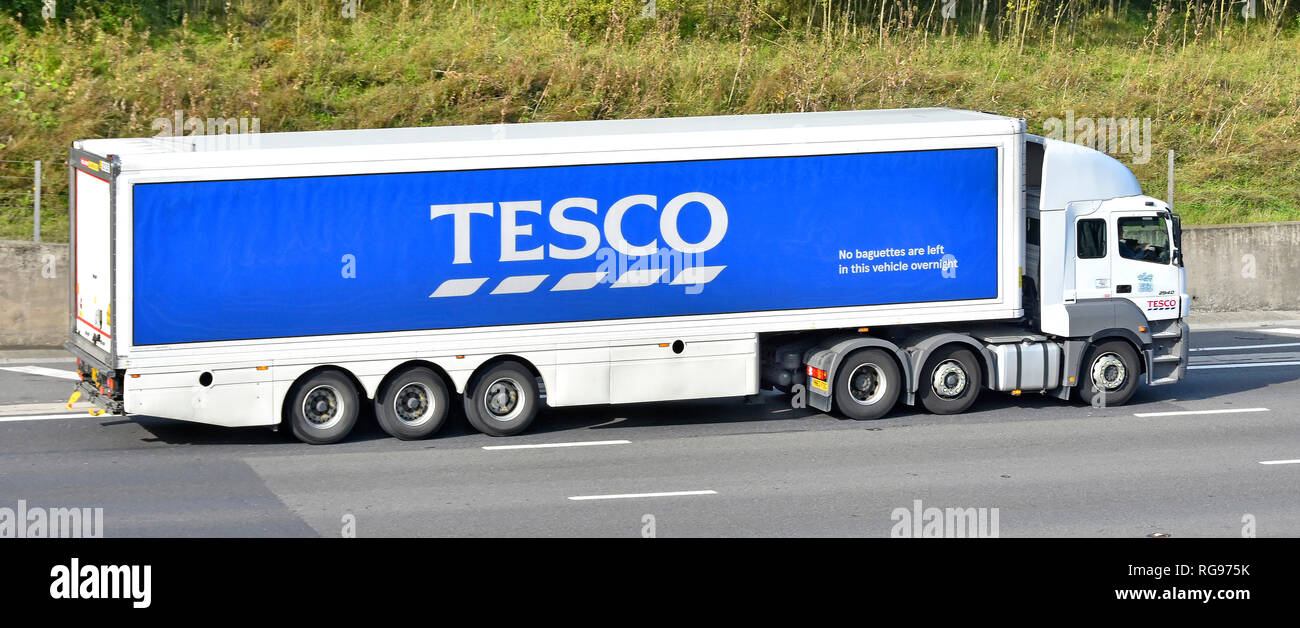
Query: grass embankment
(1227, 99)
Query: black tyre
(1110, 374)
(413, 404)
(867, 385)
(502, 401)
(323, 408)
(950, 381)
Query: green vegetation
(1221, 91)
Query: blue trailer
(852, 259)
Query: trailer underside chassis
(862, 377)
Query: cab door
(1144, 264)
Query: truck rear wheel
(503, 401)
(413, 405)
(1110, 374)
(867, 385)
(950, 381)
(323, 408)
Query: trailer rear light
(816, 372)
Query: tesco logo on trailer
(562, 220)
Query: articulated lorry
(857, 259)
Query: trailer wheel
(413, 405)
(950, 382)
(1110, 374)
(867, 385)
(502, 401)
(323, 408)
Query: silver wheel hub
(1108, 372)
(867, 384)
(504, 400)
(949, 379)
(413, 404)
(323, 407)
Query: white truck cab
(1105, 258)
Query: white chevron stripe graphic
(458, 287)
(696, 275)
(519, 284)
(522, 284)
(639, 278)
(579, 281)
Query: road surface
(1185, 460)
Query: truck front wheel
(950, 382)
(323, 408)
(1110, 374)
(503, 401)
(867, 385)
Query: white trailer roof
(319, 147)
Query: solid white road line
(48, 417)
(67, 360)
(40, 370)
(1279, 461)
(580, 498)
(1268, 346)
(1279, 330)
(587, 443)
(1246, 365)
(1185, 412)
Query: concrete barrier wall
(1230, 267)
(1243, 267)
(33, 294)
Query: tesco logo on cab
(1155, 305)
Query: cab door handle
(1124, 288)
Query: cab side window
(1145, 239)
(1092, 239)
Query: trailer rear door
(93, 258)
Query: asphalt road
(1050, 468)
